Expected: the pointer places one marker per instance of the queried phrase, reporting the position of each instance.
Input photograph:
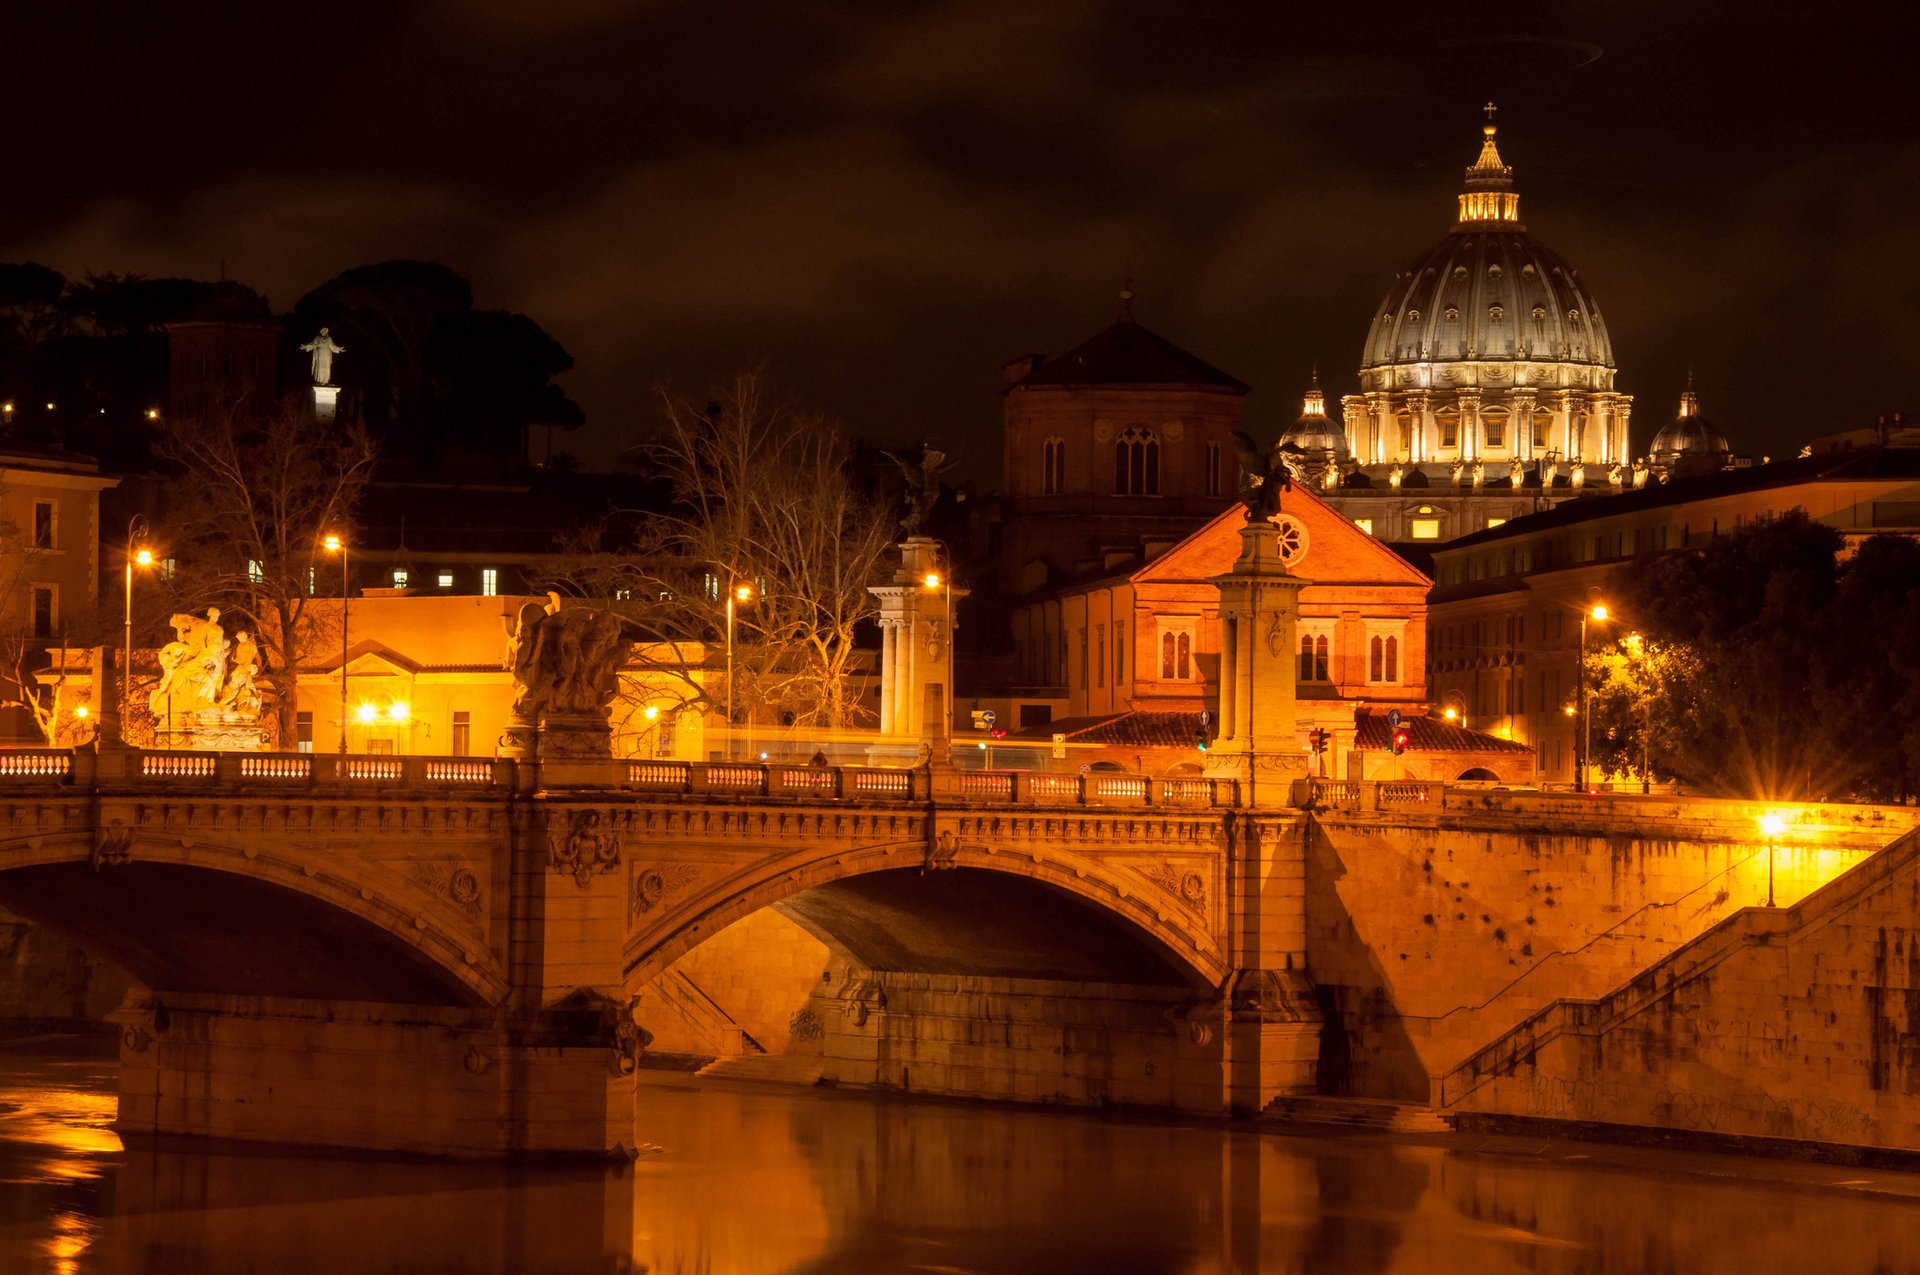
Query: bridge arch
(1019, 915)
(216, 918)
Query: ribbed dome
(1488, 293)
(1488, 296)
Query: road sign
(1393, 717)
(989, 716)
(1206, 717)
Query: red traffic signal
(1400, 740)
(1317, 739)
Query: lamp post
(1772, 825)
(1598, 614)
(742, 594)
(935, 580)
(136, 557)
(1636, 646)
(337, 543)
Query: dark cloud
(881, 202)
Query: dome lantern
(1489, 202)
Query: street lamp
(1598, 614)
(337, 543)
(1772, 825)
(140, 557)
(934, 580)
(740, 594)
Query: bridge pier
(398, 1078)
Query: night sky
(882, 203)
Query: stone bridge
(445, 954)
(441, 953)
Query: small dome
(1314, 432)
(1691, 439)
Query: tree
(1770, 666)
(758, 498)
(245, 523)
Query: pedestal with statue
(1271, 1016)
(916, 627)
(565, 662)
(326, 395)
(207, 697)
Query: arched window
(1313, 657)
(1494, 424)
(1176, 656)
(1383, 659)
(1053, 466)
(1136, 463)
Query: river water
(741, 1179)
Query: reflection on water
(742, 1180)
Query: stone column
(1520, 405)
(1267, 1014)
(917, 654)
(1419, 447)
(1470, 439)
(1260, 601)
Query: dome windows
(1413, 316)
(1539, 314)
(1136, 463)
(1453, 314)
(1495, 314)
(1494, 271)
(1460, 274)
(1573, 316)
(1527, 271)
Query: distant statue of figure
(1579, 474)
(563, 659)
(923, 485)
(1639, 475)
(323, 348)
(1394, 478)
(1479, 474)
(1517, 474)
(1549, 475)
(1617, 476)
(1457, 470)
(202, 670)
(1263, 477)
(240, 695)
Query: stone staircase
(778, 1069)
(1377, 1114)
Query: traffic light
(1400, 738)
(1317, 740)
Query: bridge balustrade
(36, 763)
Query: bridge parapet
(866, 785)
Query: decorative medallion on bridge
(939, 857)
(458, 883)
(112, 846)
(650, 885)
(1188, 887)
(585, 847)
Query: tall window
(1542, 424)
(1176, 656)
(1119, 657)
(1449, 429)
(399, 577)
(1313, 657)
(1100, 655)
(303, 732)
(1496, 429)
(43, 524)
(461, 741)
(1083, 659)
(1136, 463)
(489, 582)
(43, 610)
(1053, 466)
(1213, 469)
(1383, 659)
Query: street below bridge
(752, 1178)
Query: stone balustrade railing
(188, 770)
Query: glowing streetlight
(739, 594)
(1598, 614)
(153, 413)
(82, 712)
(136, 557)
(1772, 825)
(1449, 712)
(335, 542)
(399, 711)
(934, 580)
(368, 713)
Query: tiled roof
(1135, 730)
(1426, 735)
(1128, 354)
